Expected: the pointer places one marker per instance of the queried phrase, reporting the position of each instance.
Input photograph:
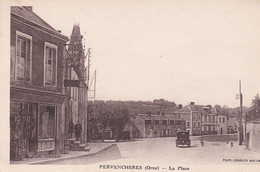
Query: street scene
(151, 151)
(145, 86)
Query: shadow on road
(192, 146)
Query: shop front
(34, 124)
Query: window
(164, 122)
(219, 120)
(147, 122)
(198, 124)
(188, 124)
(179, 122)
(171, 122)
(23, 56)
(156, 122)
(223, 120)
(46, 122)
(50, 65)
(205, 118)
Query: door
(32, 128)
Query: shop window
(46, 122)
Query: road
(163, 151)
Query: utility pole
(240, 136)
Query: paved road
(156, 151)
(163, 150)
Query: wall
(253, 129)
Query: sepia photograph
(136, 85)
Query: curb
(50, 161)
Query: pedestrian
(71, 128)
(78, 130)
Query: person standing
(71, 128)
(78, 130)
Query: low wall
(220, 137)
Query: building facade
(209, 120)
(158, 125)
(78, 72)
(199, 119)
(36, 86)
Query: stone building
(37, 119)
(158, 125)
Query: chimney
(192, 103)
(209, 106)
(180, 106)
(59, 31)
(29, 8)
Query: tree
(253, 113)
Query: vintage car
(183, 138)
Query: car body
(183, 138)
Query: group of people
(77, 129)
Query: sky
(181, 51)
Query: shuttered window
(50, 58)
(23, 56)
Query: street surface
(154, 151)
(163, 150)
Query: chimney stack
(192, 103)
(180, 106)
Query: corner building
(36, 83)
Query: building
(199, 119)
(253, 135)
(221, 119)
(76, 83)
(37, 97)
(209, 120)
(232, 125)
(158, 125)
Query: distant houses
(158, 125)
(203, 120)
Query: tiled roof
(184, 109)
(158, 117)
(30, 15)
(26, 13)
(192, 108)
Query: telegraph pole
(240, 136)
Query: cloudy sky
(181, 51)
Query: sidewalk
(94, 148)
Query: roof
(158, 117)
(26, 13)
(75, 39)
(192, 108)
